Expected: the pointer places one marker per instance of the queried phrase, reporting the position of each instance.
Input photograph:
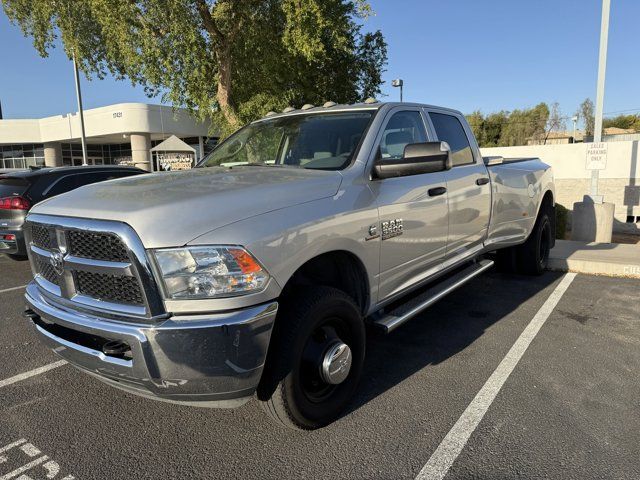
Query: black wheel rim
(314, 388)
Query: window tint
(450, 130)
(403, 128)
(71, 182)
(12, 186)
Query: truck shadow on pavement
(444, 330)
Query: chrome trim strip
(96, 305)
(98, 266)
(87, 351)
(41, 252)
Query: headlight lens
(209, 272)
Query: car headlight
(209, 272)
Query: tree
(623, 121)
(232, 60)
(585, 112)
(476, 122)
(509, 128)
(526, 124)
(555, 121)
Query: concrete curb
(608, 259)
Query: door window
(402, 129)
(449, 129)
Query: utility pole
(602, 68)
(80, 112)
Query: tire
(532, 257)
(292, 390)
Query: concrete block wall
(619, 182)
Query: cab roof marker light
(307, 106)
(329, 104)
(288, 109)
(270, 114)
(370, 100)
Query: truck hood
(171, 209)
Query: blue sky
(466, 54)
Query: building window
(22, 156)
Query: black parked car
(20, 190)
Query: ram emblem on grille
(57, 262)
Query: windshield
(317, 141)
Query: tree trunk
(224, 89)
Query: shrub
(562, 215)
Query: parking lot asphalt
(568, 410)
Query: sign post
(602, 69)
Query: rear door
(468, 184)
(413, 222)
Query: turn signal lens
(209, 272)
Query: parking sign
(597, 156)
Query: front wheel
(315, 360)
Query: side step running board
(391, 320)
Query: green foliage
(501, 129)
(623, 121)
(230, 60)
(562, 215)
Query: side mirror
(418, 158)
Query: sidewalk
(610, 259)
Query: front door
(467, 184)
(412, 209)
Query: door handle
(482, 181)
(434, 192)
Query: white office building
(123, 133)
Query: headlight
(209, 272)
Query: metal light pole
(574, 119)
(602, 68)
(398, 82)
(80, 112)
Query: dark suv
(20, 190)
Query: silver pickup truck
(255, 274)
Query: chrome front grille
(45, 269)
(93, 265)
(43, 236)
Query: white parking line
(12, 289)
(451, 446)
(32, 373)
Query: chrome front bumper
(206, 360)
